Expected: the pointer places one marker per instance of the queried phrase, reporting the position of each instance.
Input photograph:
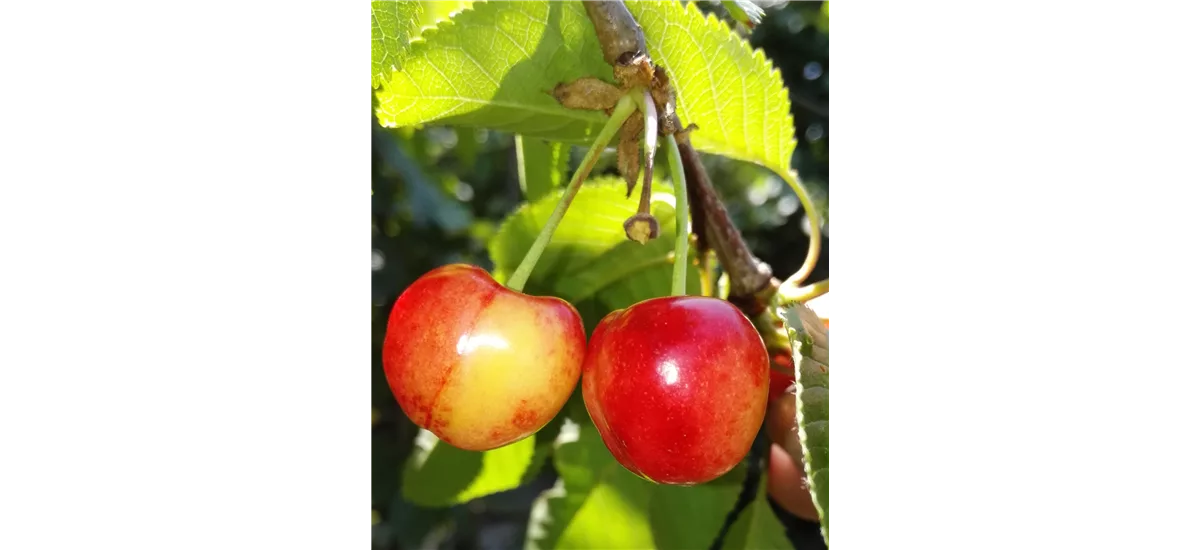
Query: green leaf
(546, 438)
(394, 24)
(541, 165)
(691, 517)
(810, 347)
(758, 528)
(436, 11)
(596, 502)
(493, 66)
(725, 87)
(590, 262)
(439, 475)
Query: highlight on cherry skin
(479, 364)
(677, 387)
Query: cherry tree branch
(752, 284)
(618, 31)
(747, 274)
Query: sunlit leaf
(395, 23)
(436, 11)
(691, 517)
(724, 86)
(596, 503)
(590, 262)
(438, 474)
(493, 66)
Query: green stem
(520, 276)
(679, 280)
(814, 233)
(789, 295)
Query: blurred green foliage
(440, 195)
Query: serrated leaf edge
(421, 41)
(802, 344)
(729, 37)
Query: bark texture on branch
(747, 274)
(620, 35)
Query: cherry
(782, 375)
(788, 485)
(780, 383)
(786, 481)
(479, 364)
(782, 372)
(677, 387)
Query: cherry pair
(677, 386)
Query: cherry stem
(814, 234)
(520, 276)
(789, 295)
(679, 279)
(651, 137)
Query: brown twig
(747, 274)
(618, 31)
(752, 286)
(750, 278)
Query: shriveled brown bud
(662, 81)
(587, 93)
(668, 123)
(641, 227)
(639, 71)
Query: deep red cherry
(782, 378)
(478, 364)
(677, 387)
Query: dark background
(440, 193)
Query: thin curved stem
(624, 108)
(679, 279)
(814, 234)
(789, 295)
